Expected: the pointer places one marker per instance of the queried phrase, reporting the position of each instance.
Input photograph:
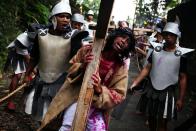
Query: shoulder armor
(33, 30)
(42, 32)
(181, 50)
(157, 46)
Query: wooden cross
(87, 91)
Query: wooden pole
(142, 29)
(87, 91)
(13, 92)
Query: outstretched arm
(144, 73)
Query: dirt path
(17, 120)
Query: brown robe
(69, 92)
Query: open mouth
(64, 25)
(118, 47)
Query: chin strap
(54, 22)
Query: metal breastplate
(54, 56)
(165, 69)
(166, 66)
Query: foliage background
(16, 15)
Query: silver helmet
(90, 12)
(172, 28)
(78, 18)
(62, 7)
(12, 44)
(23, 39)
(157, 29)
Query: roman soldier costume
(51, 53)
(160, 93)
(17, 50)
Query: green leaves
(15, 16)
(37, 13)
(90, 5)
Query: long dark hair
(121, 32)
